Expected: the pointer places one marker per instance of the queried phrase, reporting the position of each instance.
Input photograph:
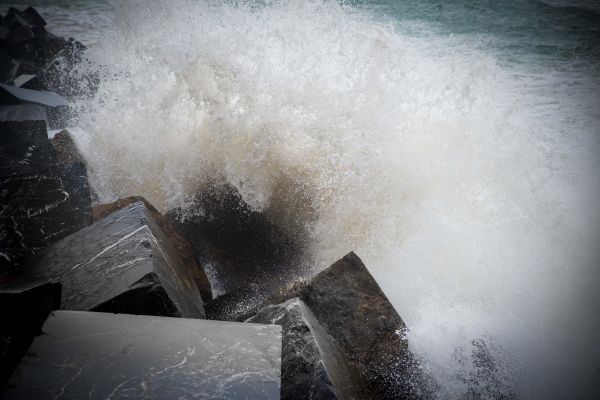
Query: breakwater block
(313, 366)
(23, 311)
(347, 304)
(181, 245)
(122, 263)
(100, 356)
(42, 199)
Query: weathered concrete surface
(23, 310)
(41, 199)
(313, 367)
(103, 356)
(122, 252)
(181, 245)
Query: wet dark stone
(125, 251)
(312, 365)
(23, 311)
(181, 245)
(237, 305)
(353, 309)
(24, 148)
(8, 67)
(31, 15)
(41, 199)
(100, 356)
(23, 112)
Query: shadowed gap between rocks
(245, 253)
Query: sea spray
(468, 194)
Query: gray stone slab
(122, 252)
(115, 356)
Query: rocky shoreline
(114, 300)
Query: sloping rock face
(352, 308)
(104, 356)
(110, 263)
(41, 199)
(349, 306)
(313, 367)
(23, 310)
(179, 244)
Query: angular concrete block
(352, 308)
(313, 366)
(88, 355)
(41, 200)
(24, 147)
(125, 251)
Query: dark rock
(41, 200)
(352, 308)
(38, 209)
(24, 112)
(312, 365)
(67, 152)
(237, 305)
(33, 17)
(23, 311)
(125, 251)
(24, 148)
(244, 247)
(102, 356)
(181, 245)
(8, 67)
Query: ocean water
(453, 145)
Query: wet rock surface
(41, 199)
(125, 251)
(100, 356)
(349, 306)
(179, 244)
(23, 311)
(352, 308)
(313, 367)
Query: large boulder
(103, 356)
(368, 333)
(121, 263)
(312, 364)
(23, 310)
(181, 245)
(42, 199)
(352, 308)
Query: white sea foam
(468, 192)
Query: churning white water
(467, 186)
